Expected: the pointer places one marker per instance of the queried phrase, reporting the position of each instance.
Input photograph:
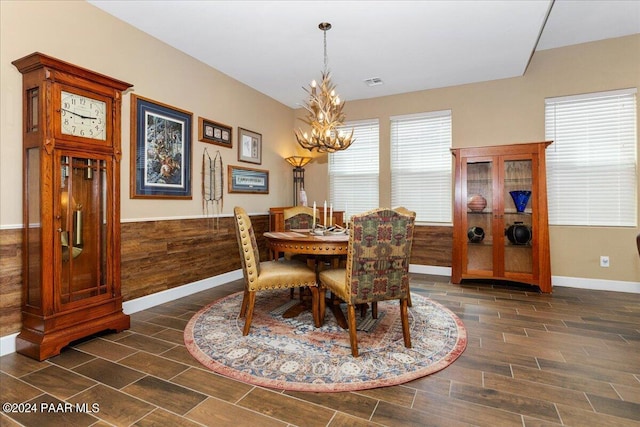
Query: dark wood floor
(570, 358)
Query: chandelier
(324, 113)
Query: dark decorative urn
(475, 234)
(518, 233)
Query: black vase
(518, 233)
(475, 234)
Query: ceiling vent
(374, 81)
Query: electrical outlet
(604, 261)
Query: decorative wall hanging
(160, 150)
(212, 185)
(214, 133)
(247, 180)
(249, 146)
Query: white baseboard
(430, 269)
(562, 281)
(596, 284)
(8, 342)
(143, 303)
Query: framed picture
(249, 146)
(160, 150)
(247, 180)
(214, 133)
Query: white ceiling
(276, 47)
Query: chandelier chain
(326, 57)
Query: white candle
(331, 215)
(325, 214)
(314, 215)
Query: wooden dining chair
(268, 275)
(377, 267)
(412, 214)
(299, 218)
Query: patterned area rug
(291, 354)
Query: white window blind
(421, 165)
(592, 164)
(353, 173)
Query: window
(421, 165)
(592, 164)
(353, 173)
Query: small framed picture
(249, 146)
(247, 180)
(214, 133)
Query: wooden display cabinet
(491, 173)
(71, 205)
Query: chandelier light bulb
(313, 83)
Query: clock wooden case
(71, 204)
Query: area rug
(291, 354)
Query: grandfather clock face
(83, 116)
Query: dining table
(322, 248)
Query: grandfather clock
(71, 204)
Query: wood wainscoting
(432, 245)
(160, 255)
(10, 281)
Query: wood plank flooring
(571, 358)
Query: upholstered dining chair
(377, 267)
(412, 214)
(299, 217)
(267, 275)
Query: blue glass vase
(520, 199)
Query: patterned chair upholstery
(299, 218)
(267, 275)
(412, 214)
(377, 266)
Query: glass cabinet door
(479, 214)
(82, 205)
(518, 214)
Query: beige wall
(97, 41)
(497, 112)
(512, 110)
